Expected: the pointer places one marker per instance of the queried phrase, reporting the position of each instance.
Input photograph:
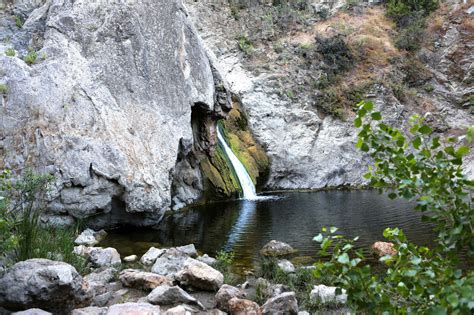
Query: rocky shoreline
(163, 281)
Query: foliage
(245, 45)
(19, 21)
(415, 280)
(402, 11)
(3, 89)
(224, 263)
(410, 37)
(8, 240)
(336, 54)
(421, 166)
(31, 57)
(10, 52)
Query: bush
(336, 54)
(245, 45)
(404, 11)
(19, 21)
(3, 89)
(31, 57)
(224, 263)
(10, 52)
(410, 37)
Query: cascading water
(245, 181)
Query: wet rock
(284, 303)
(33, 311)
(189, 250)
(101, 257)
(41, 283)
(170, 263)
(227, 292)
(286, 266)
(242, 306)
(142, 280)
(171, 295)
(133, 309)
(91, 310)
(383, 249)
(324, 294)
(200, 276)
(130, 258)
(90, 237)
(207, 260)
(151, 255)
(276, 248)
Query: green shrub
(3, 89)
(336, 54)
(31, 57)
(19, 21)
(8, 240)
(404, 11)
(10, 52)
(410, 37)
(245, 45)
(223, 264)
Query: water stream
(248, 187)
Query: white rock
(200, 276)
(324, 294)
(130, 258)
(286, 266)
(207, 260)
(90, 237)
(151, 255)
(102, 257)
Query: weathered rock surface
(189, 250)
(227, 292)
(383, 249)
(142, 280)
(200, 276)
(324, 294)
(151, 255)
(32, 311)
(133, 309)
(106, 107)
(41, 283)
(170, 263)
(276, 248)
(171, 295)
(242, 306)
(101, 257)
(97, 281)
(284, 303)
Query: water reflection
(246, 216)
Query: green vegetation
(3, 89)
(224, 263)
(19, 21)
(21, 234)
(245, 45)
(10, 52)
(31, 57)
(416, 166)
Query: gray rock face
(276, 248)
(284, 303)
(189, 250)
(107, 104)
(227, 292)
(142, 280)
(171, 295)
(170, 263)
(200, 276)
(151, 255)
(41, 283)
(98, 280)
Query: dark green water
(295, 218)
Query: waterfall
(245, 181)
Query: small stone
(284, 303)
(101, 257)
(189, 250)
(276, 248)
(207, 260)
(384, 248)
(170, 295)
(151, 255)
(130, 258)
(142, 280)
(286, 266)
(200, 276)
(227, 292)
(134, 309)
(90, 237)
(242, 306)
(324, 294)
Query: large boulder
(200, 276)
(171, 295)
(104, 257)
(40, 283)
(151, 255)
(109, 109)
(276, 249)
(227, 292)
(284, 303)
(170, 263)
(242, 306)
(323, 294)
(142, 280)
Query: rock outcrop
(41, 283)
(106, 102)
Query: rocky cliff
(116, 99)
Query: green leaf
(410, 273)
(425, 130)
(462, 150)
(369, 106)
(453, 300)
(376, 116)
(416, 142)
(343, 259)
(358, 122)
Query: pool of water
(244, 227)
